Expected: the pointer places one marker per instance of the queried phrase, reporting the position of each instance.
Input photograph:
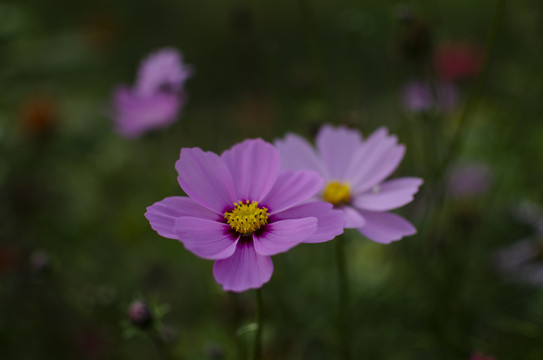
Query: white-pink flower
(354, 171)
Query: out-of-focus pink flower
(522, 261)
(241, 209)
(457, 61)
(162, 70)
(354, 171)
(481, 356)
(419, 96)
(156, 99)
(136, 114)
(471, 179)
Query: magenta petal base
(244, 270)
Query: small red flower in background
(481, 356)
(457, 61)
(10, 257)
(90, 344)
(100, 30)
(38, 114)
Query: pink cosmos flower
(135, 115)
(469, 179)
(354, 171)
(157, 97)
(241, 209)
(162, 70)
(418, 96)
(521, 261)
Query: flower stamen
(337, 193)
(246, 217)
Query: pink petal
(384, 227)
(162, 69)
(417, 96)
(365, 156)
(298, 154)
(384, 167)
(207, 239)
(244, 270)
(162, 214)
(329, 221)
(134, 115)
(390, 195)
(254, 165)
(206, 179)
(352, 217)
(337, 147)
(291, 188)
(280, 236)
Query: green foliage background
(76, 190)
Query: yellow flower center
(337, 193)
(246, 218)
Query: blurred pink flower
(162, 70)
(241, 209)
(522, 261)
(470, 179)
(157, 97)
(135, 115)
(355, 171)
(418, 96)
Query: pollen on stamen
(337, 193)
(246, 217)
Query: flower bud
(140, 315)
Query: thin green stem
(344, 313)
(257, 350)
(160, 345)
(455, 146)
(477, 93)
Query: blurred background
(460, 83)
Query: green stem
(160, 345)
(455, 146)
(257, 350)
(477, 93)
(344, 312)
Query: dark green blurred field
(76, 250)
